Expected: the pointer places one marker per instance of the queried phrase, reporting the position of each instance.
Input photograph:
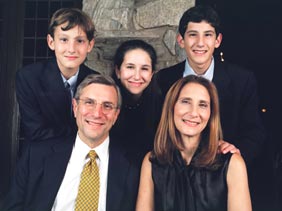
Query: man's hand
(225, 147)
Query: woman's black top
(137, 122)
(179, 187)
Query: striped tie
(88, 192)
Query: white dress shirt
(66, 196)
(208, 74)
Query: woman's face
(135, 72)
(192, 110)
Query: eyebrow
(195, 31)
(210, 31)
(63, 33)
(129, 63)
(146, 65)
(190, 99)
(204, 101)
(185, 98)
(87, 98)
(80, 36)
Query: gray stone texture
(154, 21)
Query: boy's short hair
(198, 14)
(73, 17)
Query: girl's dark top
(178, 187)
(137, 122)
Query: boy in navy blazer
(199, 35)
(44, 101)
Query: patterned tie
(88, 192)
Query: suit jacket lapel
(54, 170)
(83, 72)
(177, 73)
(51, 77)
(54, 89)
(117, 176)
(221, 80)
(180, 70)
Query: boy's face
(199, 43)
(71, 48)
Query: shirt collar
(102, 150)
(72, 80)
(208, 74)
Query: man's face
(94, 123)
(71, 48)
(199, 43)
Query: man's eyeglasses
(107, 107)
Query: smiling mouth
(137, 84)
(199, 51)
(71, 57)
(190, 123)
(94, 123)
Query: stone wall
(154, 21)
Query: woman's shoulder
(233, 159)
(147, 157)
(236, 167)
(236, 162)
(146, 164)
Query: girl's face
(192, 110)
(135, 72)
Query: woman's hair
(73, 17)
(168, 138)
(132, 45)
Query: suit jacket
(237, 90)
(44, 102)
(41, 170)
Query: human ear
(74, 106)
(180, 40)
(50, 42)
(116, 116)
(91, 45)
(218, 40)
(117, 72)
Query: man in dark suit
(44, 101)
(199, 35)
(48, 174)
